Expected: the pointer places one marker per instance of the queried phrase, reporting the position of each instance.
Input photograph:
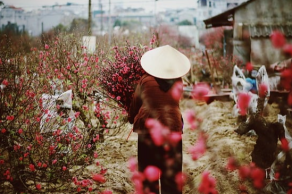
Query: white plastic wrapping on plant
(49, 119)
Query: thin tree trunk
(89, 18)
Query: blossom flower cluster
(120, 76)
(250, 171)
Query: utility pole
(101, 18)
(109, 22)
(155, 13)
(89, 18)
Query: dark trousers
(167, 159)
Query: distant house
(209, 8)
(12, 15)
(253, 22)
(37, 21)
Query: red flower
(152, 173)
(5, 82)
(3, 130)
(243, 102)
(77, 114)
(198, 149)
(232, 164)
(175, 137)
(286, 78)
(157, 131)
(200, 92)
(278, 39)
(98, 178)
(10, 118)
(54, 161)
(207, 184)
(132, 164)
(31, 167)
(177, 91)
(180, 179)
(38, 186)
(249, 66)
(20, 131)
(39, 164)
(191, 119)
(244, 172)
(285, 144)
(288, 49)
(258, 176)
(263, 89)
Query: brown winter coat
(150, 101)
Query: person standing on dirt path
(154, 100)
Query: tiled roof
(256, 31)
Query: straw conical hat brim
(165, 62)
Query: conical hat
(165, 62)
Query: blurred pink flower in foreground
(249, 66)
(132, 164)
(200, 92)
(263, 89)
(180, 179)
(284, 144)
(231, 164)
(152, 173)
(174, 137)
(198, 149)
(191, 119)
(278, 39)
(177, 91)
(98, 178)
(258, 176)
(157, 131)
(243, 102)
(207, 184)
(288, 49)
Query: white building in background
(209, 8)
(12, 15)
(37, 21)
(43, 20)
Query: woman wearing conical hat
(156, 117)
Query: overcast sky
(147, 4)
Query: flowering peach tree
(42, 149)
